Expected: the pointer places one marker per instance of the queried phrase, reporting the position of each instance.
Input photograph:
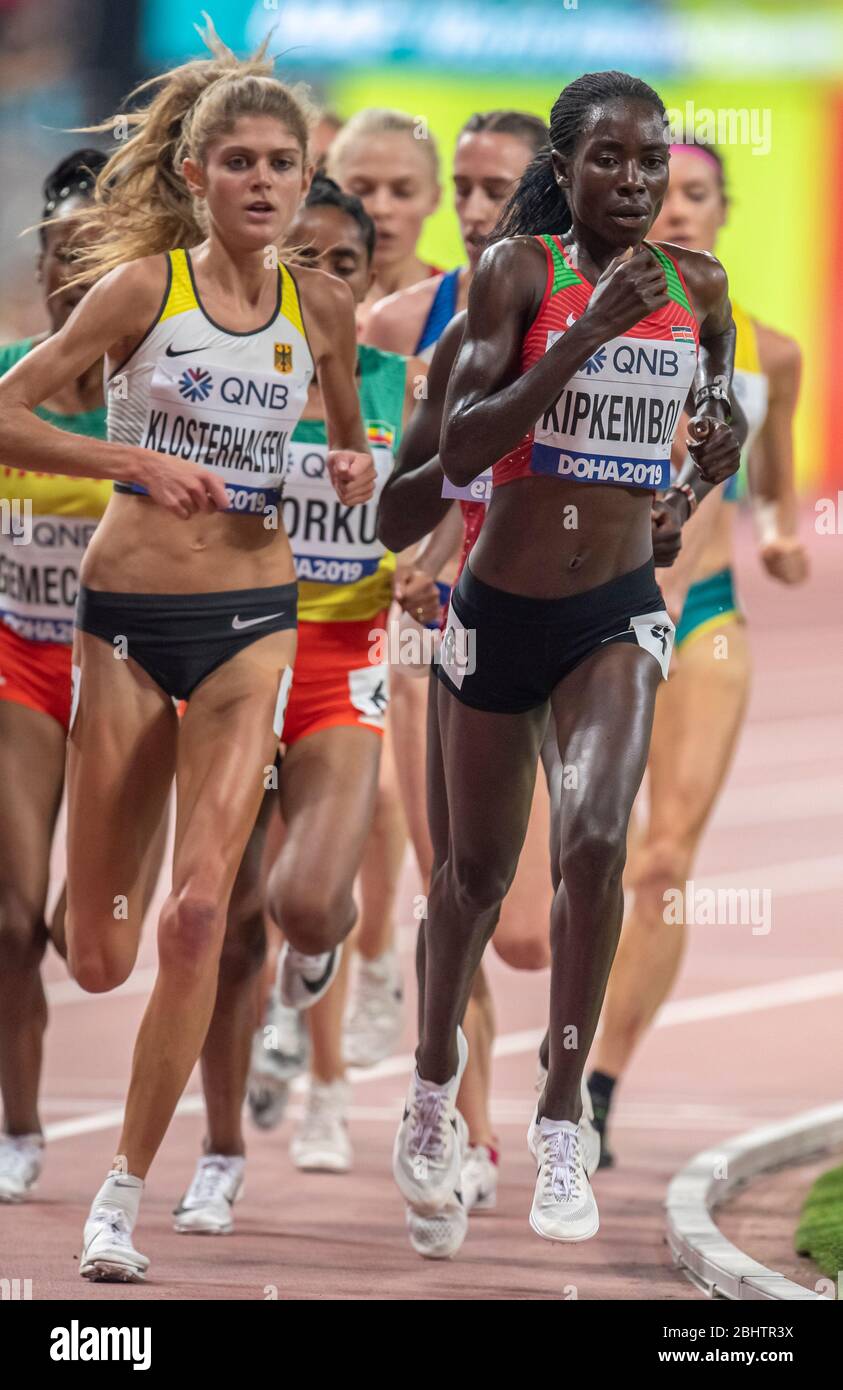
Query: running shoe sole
(109, 1272)
(13, 1199)
(566, 1240)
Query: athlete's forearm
(30, 443)
(443, 543)
(771, 486)
(476, 433)
(412, 505)
(716, 363)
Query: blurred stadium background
(779, 65)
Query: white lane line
(780, 803)
(795, 878)
(732, 1002)
(504, 1112)
(752, 999)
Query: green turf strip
(820, 1230)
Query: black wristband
(714, 392)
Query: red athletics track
(751, 1035)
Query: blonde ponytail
(141, 204)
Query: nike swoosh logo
(237, 622)
(182, 352)
(313, 986)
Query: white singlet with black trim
(226, 400)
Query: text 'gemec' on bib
(615, 419)
(39, 578)
(332, 543)
(236, 422)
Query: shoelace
(427, 1114)
(16, 1156)
(117, 1223)
(562, 1169)
(209, 1179)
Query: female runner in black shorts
(577, 358)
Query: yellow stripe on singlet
(182, 295)
(290, 307)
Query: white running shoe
(432, 1137)
(588, 1133)
(21, 1158)
(563, 1205)
(302, 980)
(373, 1026)
(267, 1101)
(321, 1143)
(108, 1254)
(206, 1206)
(284, 1039)
(438, 1236)
(280, 1051)
(479, 1179)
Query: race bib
(368, 690)
(236, 423)
(457, 652)
(615, 419)
(332, 543)
(478, 490)
(655, 633)
(284, 687)
(39, 576)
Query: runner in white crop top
(201, 608)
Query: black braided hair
(538, 203)
(73, 177)
(326, 192)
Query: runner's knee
(98, 968)
(189, 925)
(593, 857)
(314, 916)
(22, 933)
(658, 866)
(477, 885)
(524, 952)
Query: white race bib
(615, 419)
(655, 633)
(39, 578)
(332, 543)
(237, 423)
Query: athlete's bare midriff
(140, 548)
(546, 538)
